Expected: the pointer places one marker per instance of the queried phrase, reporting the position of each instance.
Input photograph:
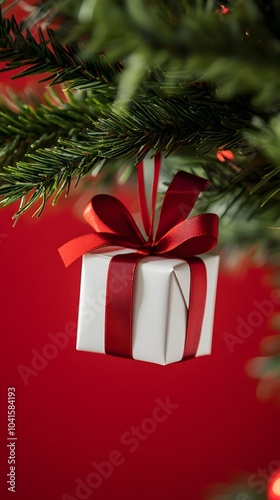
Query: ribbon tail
(198, 291)
(77, 247)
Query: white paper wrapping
(160, 306)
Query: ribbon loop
(190, 237)
(105, 213)
(179, 201)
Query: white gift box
(160, 306)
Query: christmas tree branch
(89, 135)
(238, 51)
(192, 78)
(42, 182)
(20, 48)
(27, 127)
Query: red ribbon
(176, 237)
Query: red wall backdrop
(89, 418)
(75, 408)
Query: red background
(75, 410)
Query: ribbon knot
(147, 247)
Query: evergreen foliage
(189, 78)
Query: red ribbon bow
(176, 237)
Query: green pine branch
(42, 180)
(87, 126)
(238, 51)
(90, 135)
(29, 126)
(177, 77)
(19, 48)
(85, 135)
(34, 129)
